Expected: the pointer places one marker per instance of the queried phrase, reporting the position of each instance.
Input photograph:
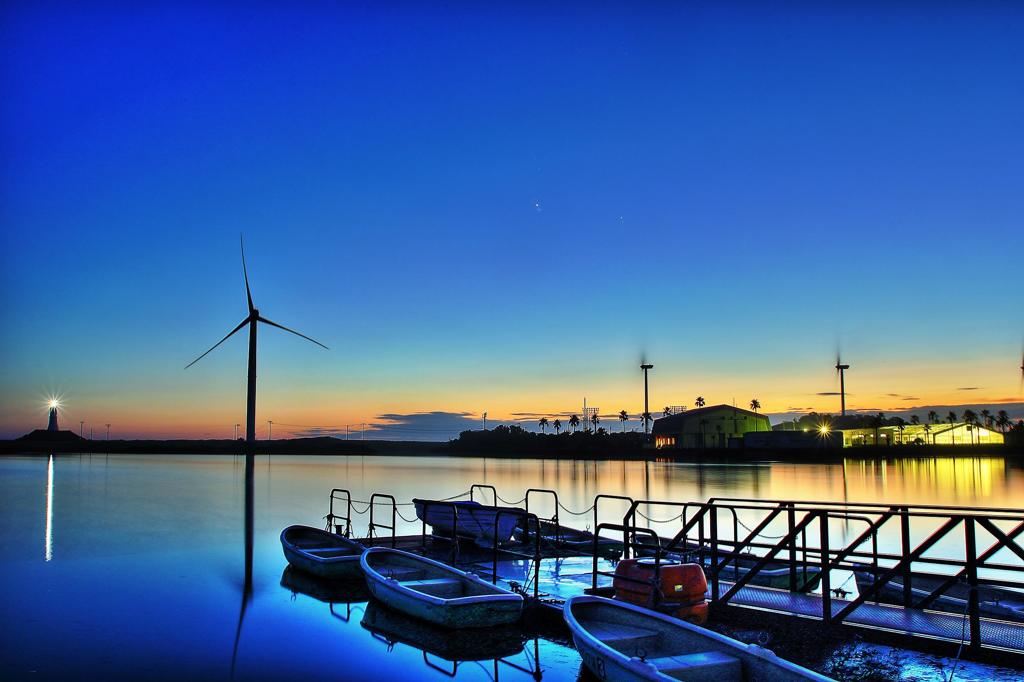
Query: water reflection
(139, 532)
(250, 465)
(446, 650)
(48, 538)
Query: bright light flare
(53, 403)
(824, 429)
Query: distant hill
(44, 436)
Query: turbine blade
(240, 325)
(245, 273)
(280, 326)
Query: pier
(920, 575)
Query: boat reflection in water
(334, 593)
(445, 650)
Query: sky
(503, 207)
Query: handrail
(332, 526)
(809, 505)
(394, 512)
(484, 486)
(536, 557)
(553, 519)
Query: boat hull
(338, 557)
(473, 520)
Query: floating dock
(955, 575)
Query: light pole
(270, 426)
(108, 431)
(647, 407)
(81, 429)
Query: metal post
(908, 595)
(714, 553)
(826, 582)
(972, 580)
(791, 519)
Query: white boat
(621, 642)
(467, 518)
(321, 553)
(437, 593)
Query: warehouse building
(717, 426)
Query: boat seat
(624, 638)
(438, 587)
(332, 551)
(707, 665)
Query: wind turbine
(251, 319)
(841, 369)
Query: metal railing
(332, 524)
(911, 575)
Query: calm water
(132, 566)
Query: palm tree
(915, 420)
(543, 424)
(951, 418)
(699, 402)
(667, 411)
(623, 417)
(595, 420)
(988, 418)
(933, 417)
(901, 425)
(877, 421)
(574, 422)
(971, 419)
(755, 404)
(927, 430)
(558, 426)
(1002, 420)
(646, 417)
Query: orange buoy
(680, 589)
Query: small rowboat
(439, 594)
(323, 554)
(467, 518)
(621, 643)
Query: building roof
(675, 422)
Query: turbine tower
(841, 369)
(647, 408)
(251, 319)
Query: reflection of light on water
(49, 510)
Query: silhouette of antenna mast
(251, 319)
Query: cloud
(969, 388)
(909, 397)
(830, 393)
(424, 426)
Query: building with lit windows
(717, 426)
(957, 433)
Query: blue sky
(503, 206)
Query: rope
(412, 520)
(762, 534)
(653, 520)
(579, 513)
(509, 502)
